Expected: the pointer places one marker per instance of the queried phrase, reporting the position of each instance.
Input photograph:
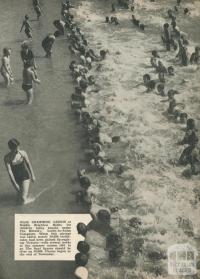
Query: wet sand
(47, 130)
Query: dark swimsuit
(26, 87)
(20, 171)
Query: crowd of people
(173, 40)
(29, 74)
(85, 58)
(16, 161)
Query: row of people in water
(174, 39)
(85, 83)
(175, 112)
(78, 46)
(78, 99)
(102, 220)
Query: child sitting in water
(195, 57)
(170, 71)
(180, 117)
(172, 103)
(148, 83)
(154, 57)
(161, 89)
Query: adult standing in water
(28, 79)
(19, 170)
(27, 27)
(47, 44)
(27, 56)
(6, 71)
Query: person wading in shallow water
(27, 27)
(28, 79)
(37, 8)
(47, 44)
(6, 71)
(19, 169)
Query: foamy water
(159, 194)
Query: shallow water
(47, 130)
(160, 193)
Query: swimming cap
(81, 272)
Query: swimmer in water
(19, 169)
(6, 71)
(27, 27)
(195, 57)
(170, 71)
(161, 89)
(172, 102)
(28, 79)
(166, 36)
(153, 60)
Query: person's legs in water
(29, 95)
(38, 12)
(47, 51)
(6, 79)
(25, 192)
(28, 33)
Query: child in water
(27, 27)
(6, 71)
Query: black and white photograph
(100, 118)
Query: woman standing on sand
(19, 169)
(6, 71)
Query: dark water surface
(46, 130)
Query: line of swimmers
(190, 155)
(101, 220)
(85, 83)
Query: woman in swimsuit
(19, 169)
(6, 71)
